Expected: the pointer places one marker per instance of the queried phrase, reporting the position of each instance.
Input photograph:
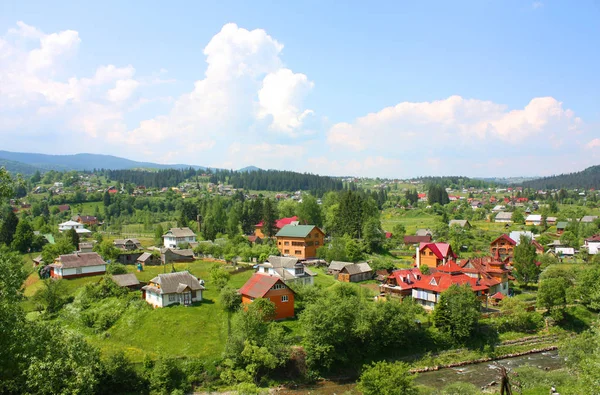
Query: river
(479, 374)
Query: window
(278, 286)
(286, 251)
(279, 243)
(193, 294)
(430, 253)
(297, 252)
(172, 298)
(285, 298)
(78, 270)
(287, 243)
(316, 243)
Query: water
(483, 373)
(479, 374)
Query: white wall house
(289, 269)
(173, 288)
(79, 264)
(65, 226)
(176, 236)
(593, 244)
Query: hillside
(18, 167)
(586, 179)
(83, 162)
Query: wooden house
(433, 254)
(355, 272)
(300, 241)
(503, 246)
(270, 287)
(279, 224)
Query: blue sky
(391, 89)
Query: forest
(585, 179)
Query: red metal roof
(450, 267)
(441, 250)
(593, 238)
(405, 278)
(259, 284)
(388, 235)
(505, 237)
(443, 281)
(280, 223)
(498, 295)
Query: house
(588, 219)
(560, 227)
(424, 232)
(170, 255)
(128, 280)
(173, 288)
(85, 219)
(463, 223)
(127, 257)
(490, 271)
(254, 239)
(503, 247)
(533, 219)
(289, 269)
(516, 235)
(176, 236)
(355, 272)
(475, 204)
(539, 249)
(433, 254)
(65, 226)
(400, 282)
(79, 264)
(551, 221)
(300, 241)
(426, 291)
(279, 224)
(127, 244)
(592, 244)
(86, 247)
(37, 261)
(411, 240)
(63, 207)
(504, 216)
(498, 208)
(564, 251)
(335, 267)
(147, 259)
(265, 286)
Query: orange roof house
(280, 223)
(269, 287)
(433, 254)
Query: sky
(398, 89)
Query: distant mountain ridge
(587, 179)
(18, 167)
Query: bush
(116, 268)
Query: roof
(281, 261)
(181, 252)
(506, 238)
(144, 257)
(460, 222)
(516, 235)
(296, 231)
(338, 265)
(561, 225)
(172, 282)
(180, 232)
(357, 268)
(441, 250)
(594, 238)
(449, 267)
(423, 232)
(537, 245)
(439, 282)
(70, 223)
(405, 278)
(80, 259)
(259, 284)
(506, 215)
(498, 295)
(124, 241)
(252, 238)
(125, 280)
(86, 245)
(417, 239)
(589, 218)
(280, 223)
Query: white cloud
(123, 90)
(52, 46)
(595, 143)
(281, 97)
(453, 120)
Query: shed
(355, 272)
(128, 280)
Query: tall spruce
(269, 217)
(8, 228)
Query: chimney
(418, 257)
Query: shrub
(116, 268)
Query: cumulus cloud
(123, 90)
(452, 120)
(595, 143)
(244, 82)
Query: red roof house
(434, 254)
(270, 287)
(280, 223)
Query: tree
(515, 317)
(119, 376)
(50, 297)
(387, 378)
(24, 236)
(552, 295)
(107, 250)
(106, 199)
(310, 212)
(6, 184)
(73, 237)
(269, 216)
(8, 228)
(524, 262)
(158, 233)
(518, 217)
(287, 208)
(230, 299)
(457, 312)
(373, 235)
(353, 251)
(219, 276)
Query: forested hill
(18, 167)
(274, 180)
(586, 179)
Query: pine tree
(8, 228)
(73, 237)
(23, 237)
(269, 217)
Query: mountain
(249, 169)
(18, 167)
(586, 179)
(83, 162)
